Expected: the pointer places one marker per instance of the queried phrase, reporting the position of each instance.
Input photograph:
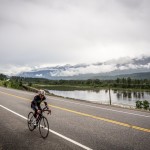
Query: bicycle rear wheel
(30, 121)
(44, 127)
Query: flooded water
(127, 98)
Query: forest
(123, 83)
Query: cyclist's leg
(39, 109)
(35, 109)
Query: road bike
(40, 121)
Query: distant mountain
(123, 67)
(142, 75)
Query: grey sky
(50, 32)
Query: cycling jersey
(35, 104)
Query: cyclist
(35, 104)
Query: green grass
(81, 87)
(65, 87)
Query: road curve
(73, 125)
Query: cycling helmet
(42, 92)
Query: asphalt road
(74, 125)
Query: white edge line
(52, 131)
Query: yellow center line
(88, 115)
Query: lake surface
(127, 98)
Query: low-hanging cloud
(91, 69)
(121, 64)
(87, 70)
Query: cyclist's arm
(44, 100)
(46, 105)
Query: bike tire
(30, 121)
(44, 127)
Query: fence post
(109, 95)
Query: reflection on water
(102, 96)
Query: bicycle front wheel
(30, 121)
(44, 127)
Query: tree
(89, 81)
(96, 81)
(118, 80)
(3, 77)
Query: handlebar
(46, 109)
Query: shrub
(139, 104)
(145, 104)
(29, 84)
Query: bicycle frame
(40, 115)
(41, 122)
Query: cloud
(106, 67)
(120, 64)
(35, 32)
(38, 75)
(86, 70)
(14, 70)
(98, 70)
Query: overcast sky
(56, 32)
